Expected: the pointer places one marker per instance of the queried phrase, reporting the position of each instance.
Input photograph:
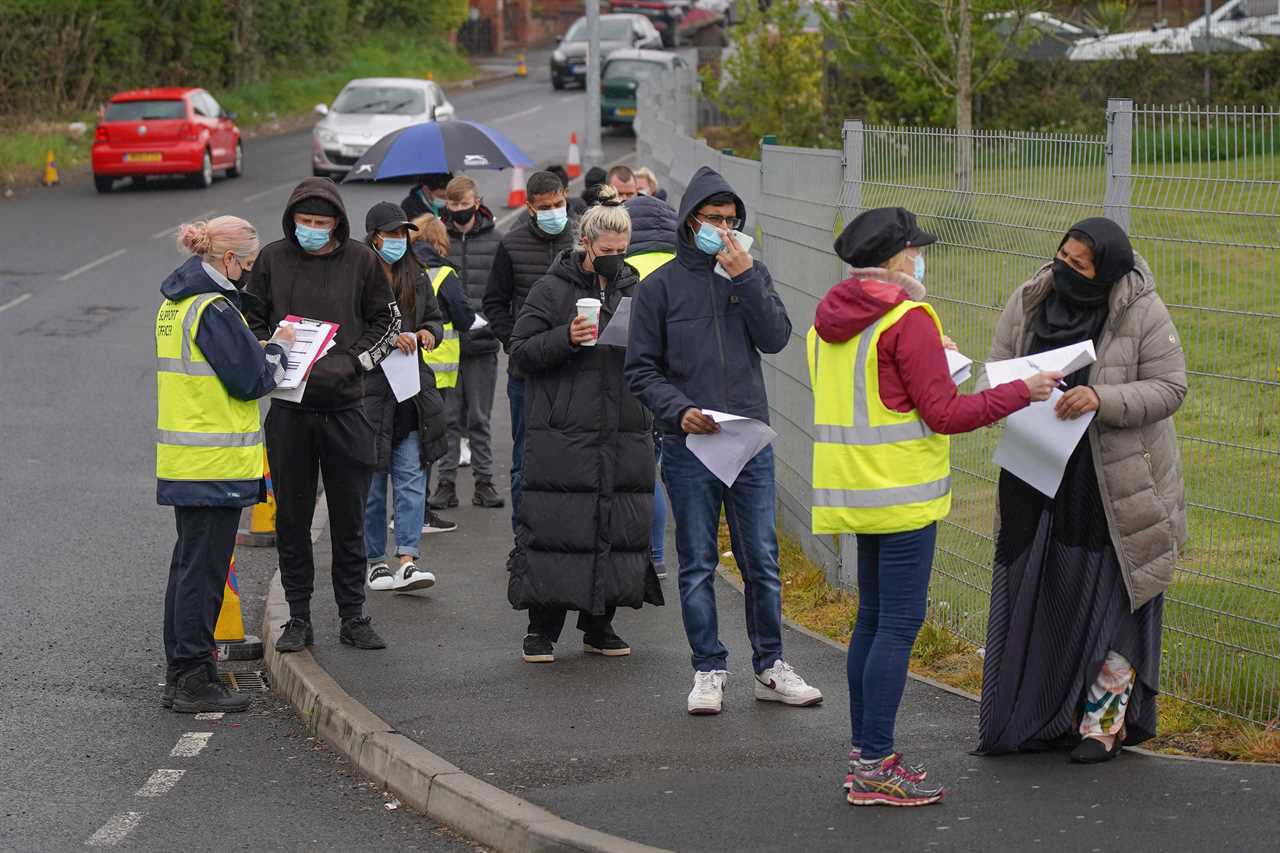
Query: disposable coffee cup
(590, 308)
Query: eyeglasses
(731, 222)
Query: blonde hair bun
(607, 195)
(194, 237)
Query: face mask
(608, 265)
(708, 239)
(311, 239)
(462, 217)
(553, 221)
(392, 248)
(1076, 288)
(919, 270)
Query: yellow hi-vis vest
(646, 262)
(203, 433)
(443, 360)
(874, 470)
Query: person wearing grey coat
(1073, 641)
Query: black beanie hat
(317, 206)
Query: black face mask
(1076, 288)
(461, 217)
(608, 265)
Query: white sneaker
(707, 695)
(380, 577)
(464, 453)
(779, 683)
(409, 577)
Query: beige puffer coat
(1140, 378)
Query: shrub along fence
(1199, 191)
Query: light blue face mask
(919, 271)
(393, 248)
(311, 239)
(553, 221)
(708, 239)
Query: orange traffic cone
(50, 178)
(574, 167)
(232, 642)
(516, 196)
(522, 70)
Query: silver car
(367, 110)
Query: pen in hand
(1062, 386)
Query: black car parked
(569, 59)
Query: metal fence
(1199, 191)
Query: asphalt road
(82, 735)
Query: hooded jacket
(582, 536)
(244, 367)
(454, 304)
(524, 255)
(696, 337)
(912, 364)
(345, 286)
(471, 254)
(653, 225)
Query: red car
(168, 131)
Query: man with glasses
(696, 337)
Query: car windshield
(611, 29)
(142, 110)
(632, 69)
(386, 100)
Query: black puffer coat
(380, 403)
(582, 538)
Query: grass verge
(1185, 729)
(283, 95)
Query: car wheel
(203, 179)
(237, 168)
(557, 83)
(103, 183)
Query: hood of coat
(858, 301)
(568, 268)
(189, 280)
(316, 188)
(1136, 284)
(705, 183)
(653, 225)
(428, 256)
(485, 221)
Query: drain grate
(252, 680)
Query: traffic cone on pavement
(50, 178)
(228, 633)
(516, 195)
(574, 166)
(522, 70)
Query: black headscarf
(1076, 309)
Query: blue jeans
(410, 484)
(658, 529)
(696, 497)
(893, 583)
(515, 397)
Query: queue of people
(600, 451)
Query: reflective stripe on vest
(874, 470)
(203, 434)
(646, 262)
(443, 360)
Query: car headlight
(558, 56)
(326, 136)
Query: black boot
(195, 693)
(170, 687)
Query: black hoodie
(346, 286)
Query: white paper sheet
(312, 339)
(1066, 359)
(745, 241)
(960, 365)
(402, 374)
(726, 453)
(295, 395)
(615, 334)
(1036, 444)
(480, 323)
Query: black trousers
(303, 446)
(548, 622)
(197, 574)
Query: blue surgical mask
(708, 239)
(311, 239)
(919, 270)
(393, 248)
(553, 221)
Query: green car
(621, 76)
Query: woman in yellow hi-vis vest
(210, 370)
(884, 404)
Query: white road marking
(114, 830)
(520, 114)
(102, 260)
(208, 214)
(160, 783)
(191, 744)
(14, 303)
(209, 715)
(269, 191)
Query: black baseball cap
(386, 216)
(876, 235)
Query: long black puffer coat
(380, 403)
(582, 538)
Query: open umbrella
(451, 146)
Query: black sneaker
(170, 687)
(297, 635)
(608, 644)
(357, 632)
(436, 524)
(538, 649)
(487, 496)
(194, 693)
(446, 497)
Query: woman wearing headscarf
(1073, 638)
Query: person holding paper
(582, 527)
(696, 339)
(1073, 637)
(409, 434)
(209, 455)
(884, 404)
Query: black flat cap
(385, 216)
(876, 235)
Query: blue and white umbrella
(450, 146)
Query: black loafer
(1091, 751)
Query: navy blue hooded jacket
(653, 225)
(696, 337)
(245, 368)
